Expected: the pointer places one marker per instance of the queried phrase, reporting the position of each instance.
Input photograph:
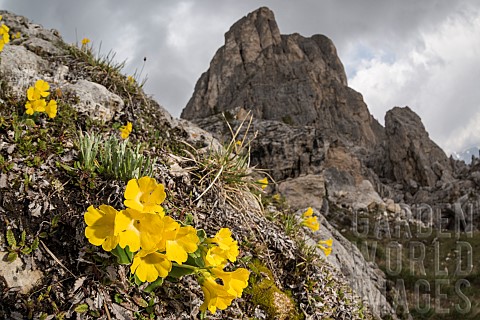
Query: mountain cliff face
(287, 78)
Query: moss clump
(265, 293)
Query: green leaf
(201, 234)
(11, 239)
(12, 256)
(26, 250)
(178, 272)
(196, 259)
(118, 298)
(35, 244)
(124, 256)
(154, 285)
(81, 308)
(140, 302)
(55, 220)
(189, 220)
(23, 236)
(29, 122)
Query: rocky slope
(45, 189)
(316, 136)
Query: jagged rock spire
(289, 78)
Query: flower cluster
(161, 246)
(310, 221)
(4, 36)
(36, 100)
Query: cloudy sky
(424, 54)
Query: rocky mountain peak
(253, 33)
(289, 78)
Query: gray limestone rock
(414, 157)
(304, 190)
(364, 276)
(95, 100)
(287, 78)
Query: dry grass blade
(56, 259)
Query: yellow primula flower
(215, 257)
(138, 230)
(126, 130)
(225, 242)
(185, 242)
(263, 183)
(216, 295)
(85, 41)
(168, 232)
(100, 228)
(35, 106)
(234, 281)
(145, 195)
(325, 246)
(40, 90)
(51, 108)
(148, 265)
(4, 36)
(309, 220)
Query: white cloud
(437, 77)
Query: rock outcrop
(287, 78)
(413, 157)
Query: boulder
(304, 191)
(95, 100)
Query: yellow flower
(168, 232)
(35, 106)
(325, 246)
(215, 257)
(131, 79)
(185, 242)
(148, 265)
(126, 130)
(100, 228)
(234, 281)
(145, 195)
(4, 36)
(225, 242)
(309, 220)
(216, 295)
(40, 90)
(51, 108)
(16, 35)
(263, 183)
(85, 41)
(138, 230)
